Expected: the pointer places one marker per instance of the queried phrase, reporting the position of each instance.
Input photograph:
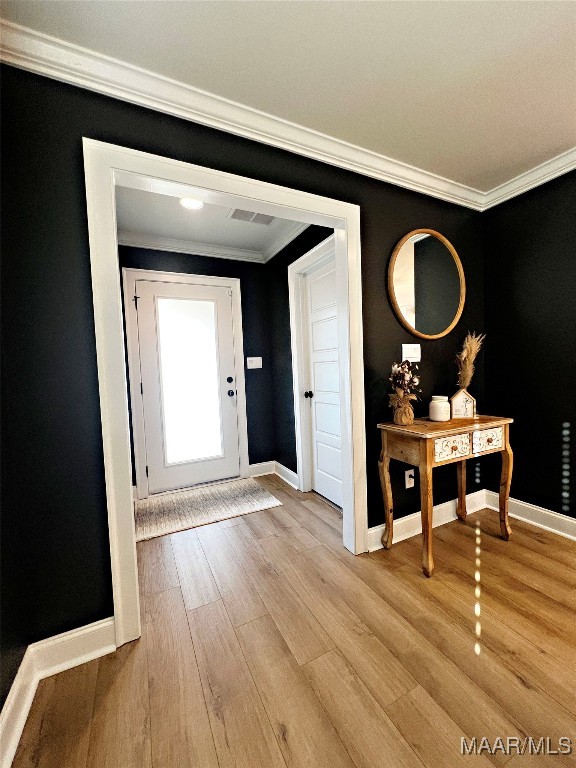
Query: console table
(427, 444)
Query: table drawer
(487, 439)
(451, 447)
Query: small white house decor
(462, 404)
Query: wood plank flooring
(266, 644)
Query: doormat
(171, 512)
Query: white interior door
(324, 377)
(186, 346)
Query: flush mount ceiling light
(191, 203)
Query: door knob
(309, 394)
(230, 393)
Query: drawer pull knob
(489, 440)
(454, 447)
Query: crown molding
(547, 171)
(189, 247)
(45, 55)
(42, 54)
(289, 232)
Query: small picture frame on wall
(462, 405)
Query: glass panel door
(189, 376)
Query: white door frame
(108, 165)
(129, 278)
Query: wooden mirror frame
(392, 293)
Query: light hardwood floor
(266, 644)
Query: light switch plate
(411, 352)
(253, 362)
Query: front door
(324, 392)
(186, 346)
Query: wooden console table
(427, 444)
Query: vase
(439, 408)
(403, 412)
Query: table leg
(505, 482)
(384, 469)
(427, 506)
(461, 507)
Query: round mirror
(426, 284)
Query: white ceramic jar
(439, 408)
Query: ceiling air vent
(262, 218)
(255, 218)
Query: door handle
(309, 394)
(230, 393)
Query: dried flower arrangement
(462, 404)
(467, 357)
(406, 380)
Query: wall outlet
(253, 362)
(409, 478)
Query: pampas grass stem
(467, 357)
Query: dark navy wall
(56, 569)
(530, 288)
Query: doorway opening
(185, 360)
(108, 167)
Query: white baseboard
(538, 516)
(411, 525)
(263, 468)
(273, 468)
(55, 654)
(43, 659)
(16, 708)
(286, 474)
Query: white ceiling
(475, 92)
(152, 220)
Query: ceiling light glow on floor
(477, 590)
(191, 204)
